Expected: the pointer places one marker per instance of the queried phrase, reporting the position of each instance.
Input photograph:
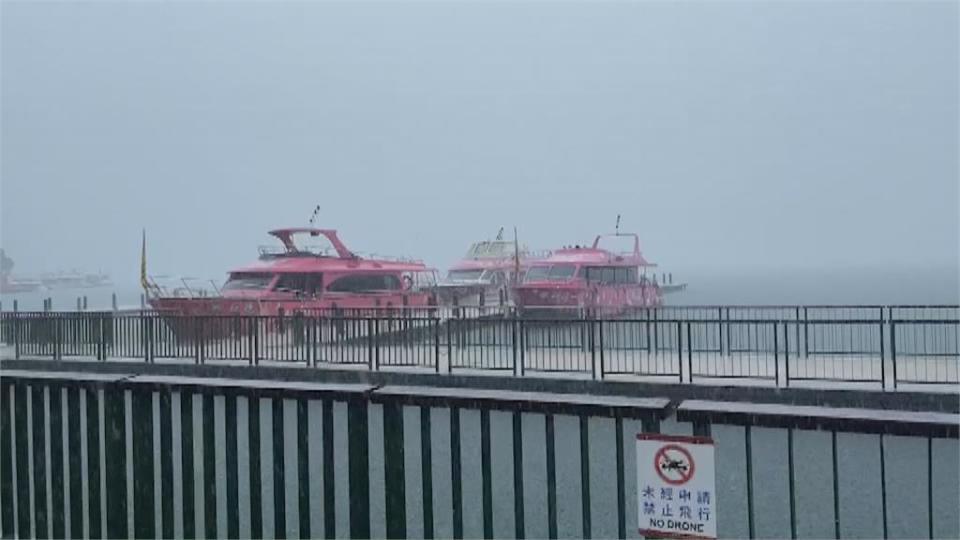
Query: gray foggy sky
(730, 135)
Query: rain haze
(765, 152)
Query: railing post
(883, 367)
(436, 343)
(370, 365)
(101, 354)
(656, 332)
(786, 354)
(689, 353)
(449, 345)
(150, 351)
(143, 337)
(647, 328)
(522, 345)
(806, 334)
(729, 342)
(599, 346)
(254, 340)
(720, 328)
(56, 338)
(680, 350)
(593, 352)
(311, 323)
(16, 332)
(376, 342)
(798, 330)
(893, 350)
(513, 343)
(776, 356)
(196, 339)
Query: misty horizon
(737, 138)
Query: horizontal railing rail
(669, 344)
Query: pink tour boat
(295, 278)
(581, 279)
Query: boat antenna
(516, 256)
(314, 216)
(618, 224)
(500, 234)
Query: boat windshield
(465, 275)
(248, 281)
(556, 272)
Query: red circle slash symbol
(674, 465)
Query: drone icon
(669, 464)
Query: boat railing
(184, 287)
(388, 258)
(268, 252)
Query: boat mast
(516, 256)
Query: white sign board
(676, 487)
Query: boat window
(295, 283)
(365, 283)
(311, 284)
(592, 273)
(623, 274)
(562, 271)
(537, 273)
(247, 281)
(314, 284)
(465, 275)
(608, 275)
(631, 275)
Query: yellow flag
(143, 262)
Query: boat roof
(292, 259)
(322, 264)
(594, 254)
(495, 254)
(488, 264)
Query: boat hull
(564, 300)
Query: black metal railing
(780, 345)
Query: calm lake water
(921, 286)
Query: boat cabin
(589, 277)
